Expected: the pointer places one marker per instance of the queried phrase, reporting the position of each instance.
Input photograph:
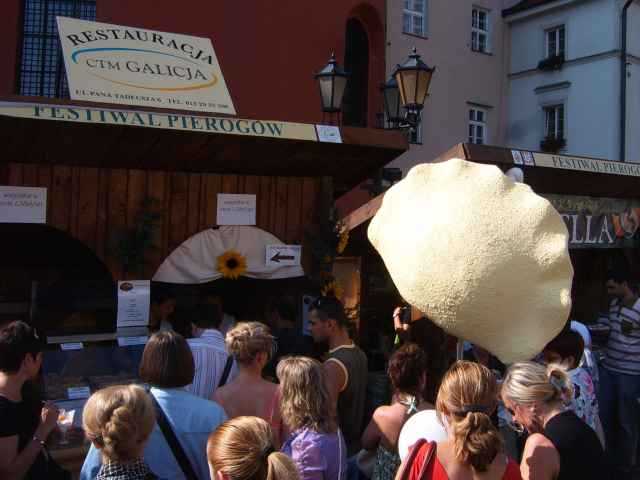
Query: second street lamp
(413, 78)
(391, 96)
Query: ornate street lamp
(391, 96)
(413, 78)
(332, 80)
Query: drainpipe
(623, 83)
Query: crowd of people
(211, 411)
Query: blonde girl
(243, 449)
(118, 421)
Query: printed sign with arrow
(283, 255)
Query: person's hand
(48, 419)
(398, 326)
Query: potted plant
(552, 144)
(554, 62)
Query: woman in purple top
(315, 443)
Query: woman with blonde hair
(315, 443)
(561, 446)
(252, 345)
(118, 421)
(244, 449)
(474, 449)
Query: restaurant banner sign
(134, 66)
(135, 118)
(599, 222)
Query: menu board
(134, 298)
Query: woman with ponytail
(474, 449)
(561, 446)
(118, 421)
(243, 449)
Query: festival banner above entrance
(135, 118)
(133, 66)
(579, 164)
(599, 222)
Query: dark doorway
(357, 64)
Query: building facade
(564, 77)
(464, 40)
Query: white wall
(591, 28)
(633, 29)
(590, 108)
(633, 112)
(593, 72)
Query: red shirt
(436, 471)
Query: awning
(196, 260)
(544, 173)
(50, 131)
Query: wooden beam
(363, 213)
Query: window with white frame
(555, 39)
(480, 30)
(477, 126)
(414, 17)
(554, 122)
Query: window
(42, 70)
(554, 122)
(480, 30)
(414, 17)
(555, 42)
(477, 126)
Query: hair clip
(472, 409)
(268, 451)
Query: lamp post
(413, 79)
(391, 96)
(332, 81)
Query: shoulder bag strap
(404, 473)
(174, 444)
(226, 371)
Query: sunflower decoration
(231, 264)
(332, 289)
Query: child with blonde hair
(118, 421)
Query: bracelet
(39, 440)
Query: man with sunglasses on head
(345, 367)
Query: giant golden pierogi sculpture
(482, 256)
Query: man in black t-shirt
(25, 423)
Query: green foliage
(132, 243)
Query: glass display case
(72, 371)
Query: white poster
(328, 133)
(134, 66)
(134, 299)
(236, 209)
(23, 205)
